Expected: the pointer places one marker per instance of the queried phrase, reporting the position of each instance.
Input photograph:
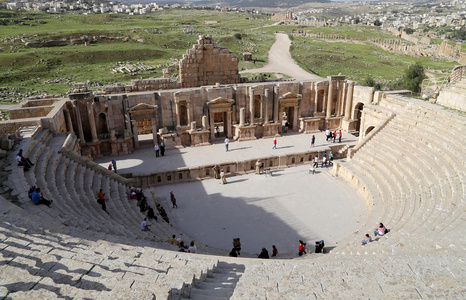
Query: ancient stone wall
(207, 64)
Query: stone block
(6, 144)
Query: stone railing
(94, 166)
(370, 135)
(186, 174)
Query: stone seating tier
(410, 167)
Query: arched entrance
(288, 112)
(358, 114)
(369, 129)
(101, 126)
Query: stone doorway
(220, 113)
(220, 120)
(358, 115)
(144, 125)
(287, 122)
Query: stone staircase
(415, 171)
(73, 185)
(411, 175)
(43, 259)
(220, 285)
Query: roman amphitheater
(402, 161)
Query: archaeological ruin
(405, 167)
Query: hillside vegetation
(141, 46)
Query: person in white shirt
(192, 248)
(227, 141)
(144, 226)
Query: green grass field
(158, 38)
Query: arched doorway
(101, 126)
(358, 114)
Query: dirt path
(280, 61)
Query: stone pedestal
(200, 138)
(333, 123)
(271, 130)
(309, 125)
(245, 133)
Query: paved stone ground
(144, 160)
(262, 211)
(290, 205)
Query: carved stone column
(276, 94)
(212, 125)
(266, 105)
(135, 134)
(69, 123)
(349, 100)
(90, 111)
(189, 110)
(80, 124)
(295, 118)
(177, 112)
(324, 101)
(154, 129)
(251, 105)
(330, 98)
(242, 116)
(229, 131)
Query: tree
(377, 22)
(238, 36)
(413, 77)
(409, 30)
(357, 20)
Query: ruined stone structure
(120, 119)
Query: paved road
(280, 61)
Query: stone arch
(101, 126)
(357, 114)
(369, 129)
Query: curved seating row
(414, 169)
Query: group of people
(219, 174)
(112, 166)
(159, 149)
(333, 135)
(325, 162)
(37, 197)
(182, 247)
(379, 231)
(235, 251)
(319, 247)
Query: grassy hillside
(154, 40)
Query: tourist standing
(258, 166)
(223, 179)
(173, 200)
(216, 171)
(162, 148)
(114, 165)
(327, 134)
(334, 135)
(156, 148)
(274, 251)
(313, 140)
(274, 143)
(227, 141)
(339, 136)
